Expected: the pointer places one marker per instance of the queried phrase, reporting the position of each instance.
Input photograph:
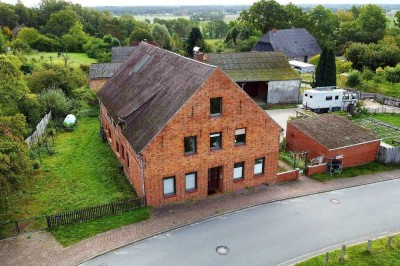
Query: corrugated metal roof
(103, 70)
(119, 54)
(149, 98)
(254, 66)
(293, 42)
(333, 131)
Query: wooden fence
(30, 225)
(92, 213)
(40, 128)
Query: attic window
(141, 64)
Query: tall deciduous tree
(161, 35)
(15, 164)
(59, 23)
(266, 15)
(325, 73)
(323, 24)
(12, 84)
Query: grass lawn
(380, 254)
(268, 106)
(384, 87)
(70, 234)
(212, 42)
(83, 172)
(370, 168)
(75, 58)
(393, 119)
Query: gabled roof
(148, 89)
(333, 131)
(103, 70)
(119, 54)
(293, 42)
(253, 66)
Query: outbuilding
(332, 137)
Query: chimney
(199, 56)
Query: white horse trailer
(328, 99)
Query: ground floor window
(259, 166)
(191, 181)
(238, 171)
(169, 186)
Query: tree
(12, 84)
(295, 16)
(2, 41)
(392, 74)
(266, 15)
(28, 35)
(325, 73)
(372, 21)
(59, 23)
(140, 34)
(15, 164)
(161, 35)
(323, 24)
(397, 19)
(195, 39)
(7, 15)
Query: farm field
(75, 58)
(160, 16)
(82, 172)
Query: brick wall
(288, 176)
(165, 157)
(96, 84)
(316, 169)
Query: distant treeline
(234, 9)
(175, 10)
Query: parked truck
(328, 99)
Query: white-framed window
(240, 136)
(191, 181)
(259, 166)
(169, 186)
(238, 171)
(216, 141)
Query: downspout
(142, 167)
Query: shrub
(354, 78)
(54, 100)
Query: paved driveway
(274, 233)
(281, 116)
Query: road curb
(234, 211)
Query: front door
(213, 180)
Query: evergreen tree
(325, 73)
(195, 39)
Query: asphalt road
(273, 233)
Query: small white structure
(69, 121)
(328, 99)
(302, 67)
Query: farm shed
(332, 136)
(297, 44)
(302, 67)
(266, 76)
(100, 73)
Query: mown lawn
(83, 172)
(75, 58)
(365, 169)
(380, 254)
(71, 234)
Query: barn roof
(254, 66)
(333, 131)
(103, 70)
(148, 89)
(293, 42)
(119, 54)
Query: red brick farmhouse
(183, 130)
(332, 137)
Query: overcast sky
(203, 2)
